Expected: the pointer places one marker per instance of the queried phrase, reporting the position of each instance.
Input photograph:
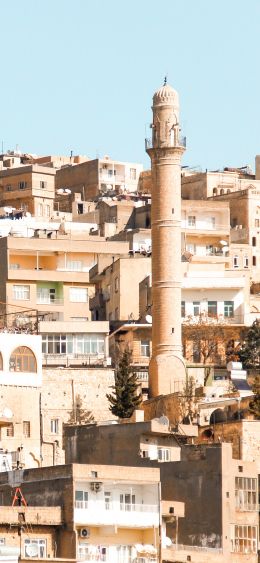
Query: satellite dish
(164, 420)
(167, 542)
(31, 550)
(28, 214)
(7, 413)
(149, 319)
(8, 209)
(223, 242)
(60, 191)
(67, 191)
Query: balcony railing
(124, 507)
(206, 549)
(171, 142)
(41, 300)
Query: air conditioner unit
(84, 533)
(95, 486)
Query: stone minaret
(167, 368)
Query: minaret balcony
(180, 142)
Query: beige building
(94, 512)
(99, 177)
(29, 188)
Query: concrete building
(167, 367)
(92, 512)
(29, 188)
(98, 177)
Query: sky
(80, 75)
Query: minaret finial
(165, 80)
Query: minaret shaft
(167, 369)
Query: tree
(249, 353)
(125, 398)
(188, 401)
(79, 415)
(254, 405)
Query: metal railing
(123, 507)
(180, 142)
(49, 300)
(205, 549)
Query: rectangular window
(78, 294)
(26, 428)
(54, 425)
(40, 210)
(213, 222)
(196, 308)
(74, 265)
(212, 308)
(127, 502)
(21, 292)
(243, 539)
(164, 454)
(2, 541)
(191, 221)
(35, 548)
(81, 499)
(183, 309)
(133, 173)
(107, 496)
(47, 210)
(8, 188)
(145, 348)
(116, 284)
(209, 250)
(257, 223)
(228, 309)
(191, 248)
(22, 185)
(235, 262)
(43, 184)
(246, 262)
(246, 493)
(10, 431)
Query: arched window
(23, 359)
(1, 362)
(215, 191)
(228, 191)
(222, 191)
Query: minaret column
(167, 368)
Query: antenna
(165, 79)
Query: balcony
(48, 300)
(111, 179)
(41, 274)
(197, 554)
(68, 360)
(171, 142)
(116, 514)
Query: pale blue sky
(79, 75)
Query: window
(90, 552)
(145, 348)
(10, 431)
(116, 314)
(235, 262)
(21, 292)
(46, 295)
(212, 308)
(23, 359)
(228, 308)
(196, 352)
(127, 502)
(213, 222)
(26, 428)
(254, 261)
(164, 454)
(116, 284)
(246, 262)
(43, 184)
(191, 221)
(40, 209)
(78, 294)
(257, 223)
(8, 188)
(81, 499)
(133, 173)
(22, 185)
(107, 496)
(196, 308)
(246, 493)
(191, 248)
(215, 191)
(73, 344)
(2, 541)
(183, 309)
(209, 250)
(35, 548)
(244, 539)
(74, 265)
(47, 210)
(253, 241)
(54, 425)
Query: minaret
(167, 367)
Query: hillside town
(129, 355)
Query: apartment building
(223, 530)
(94, 512)
(202, 185)
(29, 188)
(99, 177)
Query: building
(92, 512)
(29, 188)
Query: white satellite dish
(167, 541)
(28, 214)
(149, 319)
(223, 242)
(8, 209)
(31, 550)
(60, 191)
(7, 413)
(67, 191)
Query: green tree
(254, 405)
(249, 353)
(125, 398)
